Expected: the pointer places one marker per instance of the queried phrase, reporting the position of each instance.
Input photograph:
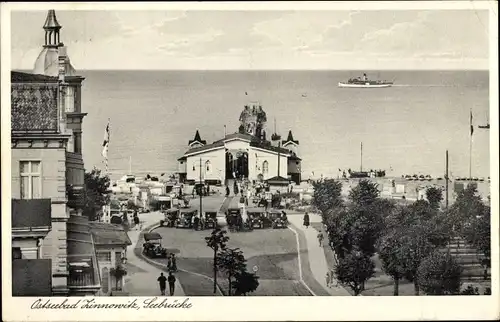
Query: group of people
(162, 281)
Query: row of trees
(408, 238)
(232, 263)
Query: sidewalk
(317, 260)
(142, 279)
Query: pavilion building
(244, 154)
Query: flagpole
(470, 146)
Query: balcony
(31, 217)
(32, 277)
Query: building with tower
(50, 238)
(246, 153)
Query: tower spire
(52, 28)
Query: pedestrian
(306, 220)
(320, 239)
(227, 191)
(162, 280)
(333, 279)
(169, 262)
(328, 279)
(171, 283)
(174, 263)
(136, 220)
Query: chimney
(62, 62)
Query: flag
(471, 126)
(105, 146)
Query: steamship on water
(364, 82)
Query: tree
(365, 193)
(327, 196)
(96, 193)
(390, 256)
(217, 241)
(245, 283)
(231, 262)
(439, 274)
(434, 196)
(414, 248)
(467, 206)
(354, 270)
(478, 233)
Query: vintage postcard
(320, 161)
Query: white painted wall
(216, 170)
(258, 156)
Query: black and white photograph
(184, 153)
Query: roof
(31, 213)
(151, 236)
(22, 77)
(47, 62)
(51, 21)
(109, 234)
(32, 277)
(290, 138)
(197, 138)
(205, 148)
(268, 147)
(34, 107)
(278, 180)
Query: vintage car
(277, 219)
(171, 216)
(152, 246)
(185, 219)
(233, 219)
(256, 217)
(210, 219)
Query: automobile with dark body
(152, 246)
(171, 217)
(185, 219)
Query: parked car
(152, 246)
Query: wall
(258, 156)
(29, 247)
(53, 170)
(217, 160)
(105, 267)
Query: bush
(439, 274)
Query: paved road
(317, 260)
(142, 277)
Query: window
(77, 142)
(31, 179)
(118, 258)
(208, 167)
(104, 256)
(69, 100)
(265, 167)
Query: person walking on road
(327, 279)
(320, 239)
(174, 263)
(171, 283)
(306, 220)
(333, 279)
(227, 191)
(162, 280)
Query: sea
(405, 129)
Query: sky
(384, 39)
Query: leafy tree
(231, 262)
(467, 206)
(390, 256)
(96, 193)
(439, 274)
(354, 270)
(365, 193)
(217, 241)
(478, 233)
(434, 196)
(245, 283)
(327, 196)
